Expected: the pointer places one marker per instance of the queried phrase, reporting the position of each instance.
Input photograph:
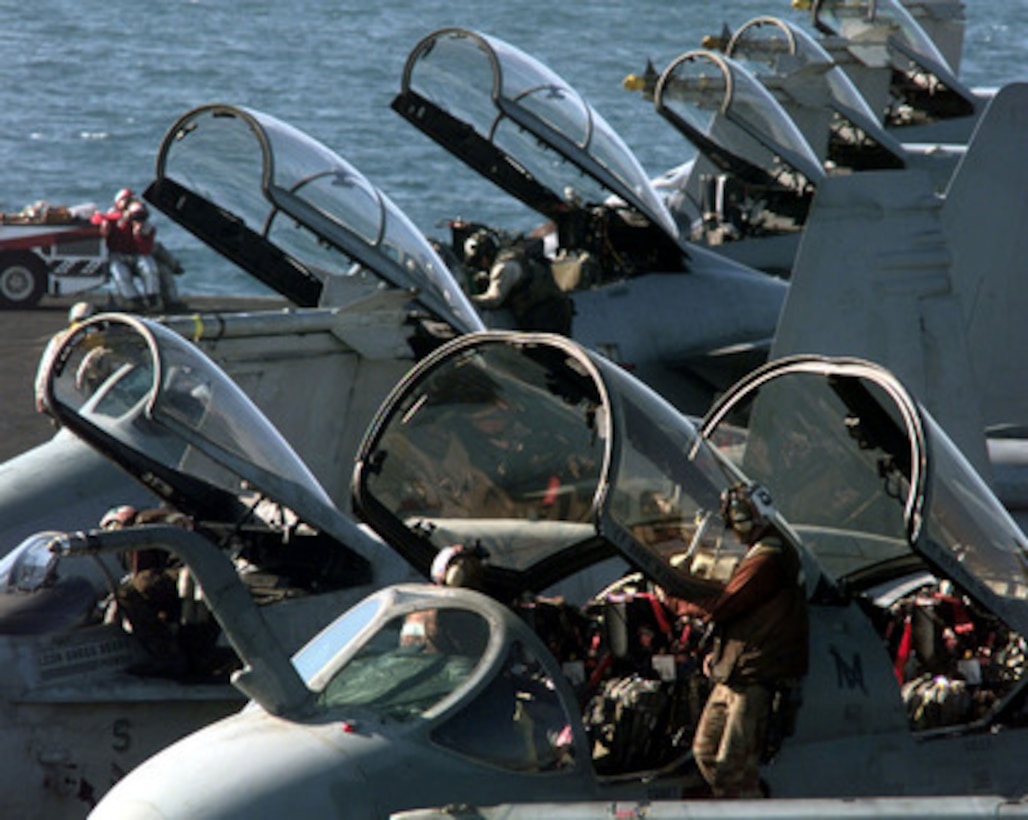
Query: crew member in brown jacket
(761, 644)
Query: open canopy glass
(869, 481)
(792, 63)
(549, 458)
(884, 31)
(293, 213)
(522, 126)
(728, 115)
(157, 406)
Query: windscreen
(409, 664)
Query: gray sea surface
(89, 89)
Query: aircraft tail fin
(985, 217)
(871, 279)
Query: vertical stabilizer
(872, 280)
(985, 217)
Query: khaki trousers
(729, 739)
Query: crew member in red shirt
(130, 245)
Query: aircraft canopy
(522, 126)
(549, 458)
(294, 214)
(787, 59)
(885, 32)
(728, 115)
(157, 406)
(869, 481)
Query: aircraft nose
(123, 809)
(248, 766)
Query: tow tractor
(49, 249)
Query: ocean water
(90, 89)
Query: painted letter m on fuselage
(849, 675)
